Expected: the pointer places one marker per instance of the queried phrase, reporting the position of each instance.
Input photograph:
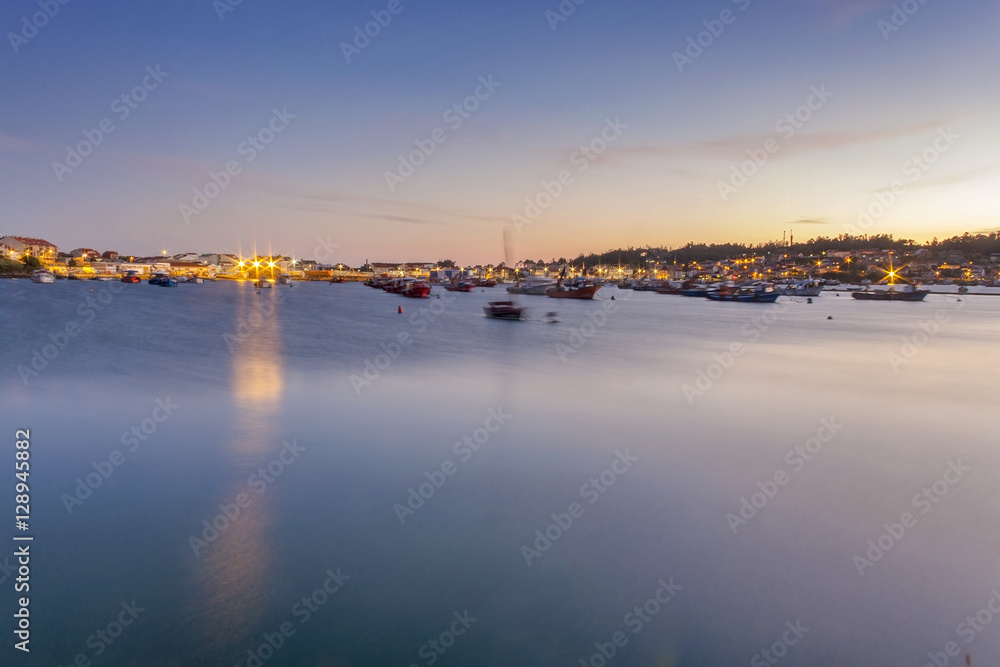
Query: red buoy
(400, 310)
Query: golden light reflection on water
(233, 574)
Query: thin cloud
(732, 148)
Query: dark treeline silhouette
(978, 244)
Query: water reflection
(233, 569)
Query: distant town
(965, 260)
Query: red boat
(416, 289)
(131, 278)
(578, 291)
(460, 286)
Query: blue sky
(666, 178)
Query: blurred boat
(906, 293)
(536, 285)
(803, 288)
(573, 290)
(756, 293)
(416, 289)
(503, 310)
(43, 276)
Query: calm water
(266, 414)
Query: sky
(226, 125)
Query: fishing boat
(457, 285)
(896, 292)
(577, 290)
(167, 282)
(536, 285)
(755, 293)
(803, 288)
(43, 276)
(263, 283)
(157, 277)
(697, 290)
(339, 281)
(195, 280)
(131, 278)
(904, 293)
(285, 279)
(504, 310)
(416, 289)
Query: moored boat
(756, 293)
(803, 288)
(536, 285)
(131, 278)
(584, 290)
(285, 279)
(907, 293)
(417, 289)
(43, 276)
(457, 285)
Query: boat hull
(761, 297)
(536, 290)
(587, 292)
(503, 310)
(418, 292)
(916, 295)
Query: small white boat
(197, 280)
(285, 279)
(43, 276)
